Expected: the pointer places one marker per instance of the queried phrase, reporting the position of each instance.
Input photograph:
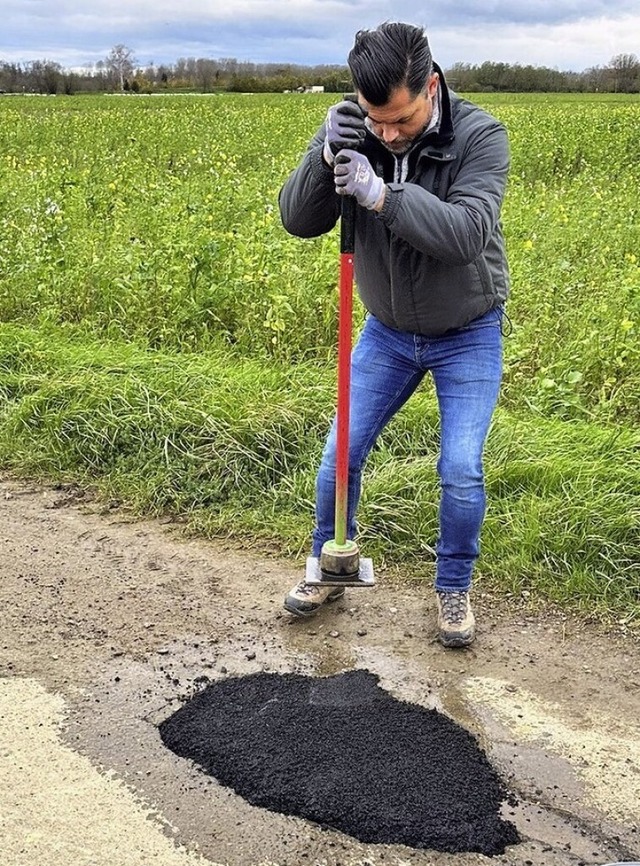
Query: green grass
(233, 447)
(163, 338)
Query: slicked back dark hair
(391, 56)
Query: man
(428, 171)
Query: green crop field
(164, 340)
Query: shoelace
(454, 606)
(307, 589)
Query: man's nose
(389, 131)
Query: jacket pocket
(484, 274)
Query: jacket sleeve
(456, 230)
(309, 204)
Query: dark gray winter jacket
(433, 259)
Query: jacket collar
(443, 134)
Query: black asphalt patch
(346, 754)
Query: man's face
(397, 123)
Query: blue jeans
(387, 367)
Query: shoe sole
(306, 613)
(456, 641)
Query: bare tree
(206, 73)
(45, 76)
(625, 69)
(120, 62)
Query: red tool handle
(345, 321)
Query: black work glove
(344, 129)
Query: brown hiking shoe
(456, 623)
(305, 600)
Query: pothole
(344, 753)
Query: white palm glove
(354, 175)
(344, 128)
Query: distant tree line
(119, 72)
(620, 75)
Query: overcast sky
(563, 34)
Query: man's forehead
(401, 104)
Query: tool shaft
(345, 320)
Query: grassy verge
(232, 445)
(166, 341)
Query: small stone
(334, 634)
(361, 632)
(250, 656)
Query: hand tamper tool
(340, 563)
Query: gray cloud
(523, 12)
(317, 31)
